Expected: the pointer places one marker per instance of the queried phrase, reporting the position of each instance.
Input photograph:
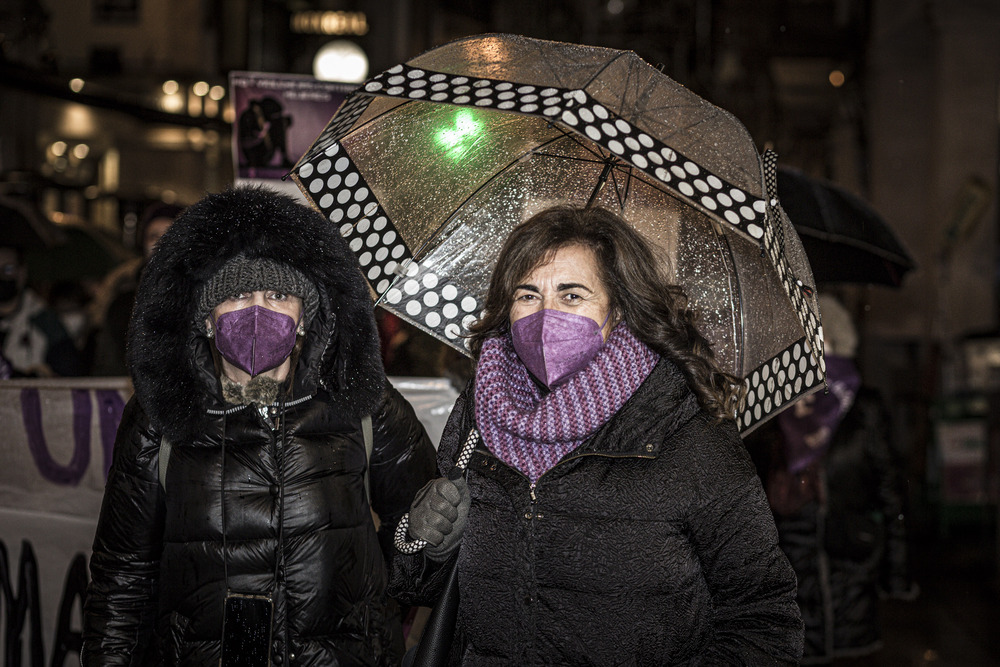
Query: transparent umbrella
(427, 167)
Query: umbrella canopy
(845, 239)
(85, 254)
(427, 167)
(22, 227)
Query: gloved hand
(438, 515)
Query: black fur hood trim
(169, 355)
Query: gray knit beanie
(249, 275)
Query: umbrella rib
(672, 129)
(568, 158)
(628, 184)
(606, 65)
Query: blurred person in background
(408, 351)
(611, 515)
(255, 361)
(112, 308)
(834, 486)
(33, 340)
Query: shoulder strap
(164, 459)
(366, 429)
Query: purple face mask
(554, 345)
(255, 339)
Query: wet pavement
(955, 621)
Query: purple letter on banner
(31, 410)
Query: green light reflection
(457, 139)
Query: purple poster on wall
(277, 118)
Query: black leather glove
(438, 516)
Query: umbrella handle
(400, 538)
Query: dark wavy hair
(634, 273)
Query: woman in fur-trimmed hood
(255, 358)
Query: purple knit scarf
(532, 433)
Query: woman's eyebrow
(527, 286)
(566, 286)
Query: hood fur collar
(168, 354)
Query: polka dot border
(777, 382)
(341, 123)
(773, 242)
(438, 306)
(403, 286)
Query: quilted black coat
(266, 500)
(650, 544)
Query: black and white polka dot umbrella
(427, 167)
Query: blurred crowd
(67, 292)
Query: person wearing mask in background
(255, 360)
(112, 308)
(32, 339)
(611, 515)
(833, 483)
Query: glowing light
(456, 140)
(81, 151)
(58, 148)
(341, 60)
(172, 102)
(170, 87)
(217, 93)
(329, 23)
(77, 121)
(76, 85)
(200, 89)
(837, 78)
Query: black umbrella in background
(845, 239)
(86, 253)
(22, 227)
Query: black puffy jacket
(650, 544)
(265, 500)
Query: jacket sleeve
(120, 609)
(402, 461)
(415, 579)
(756, 619)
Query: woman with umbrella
(611, 514)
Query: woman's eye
(277, 296)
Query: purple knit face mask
(255, 339)
(554, 345)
